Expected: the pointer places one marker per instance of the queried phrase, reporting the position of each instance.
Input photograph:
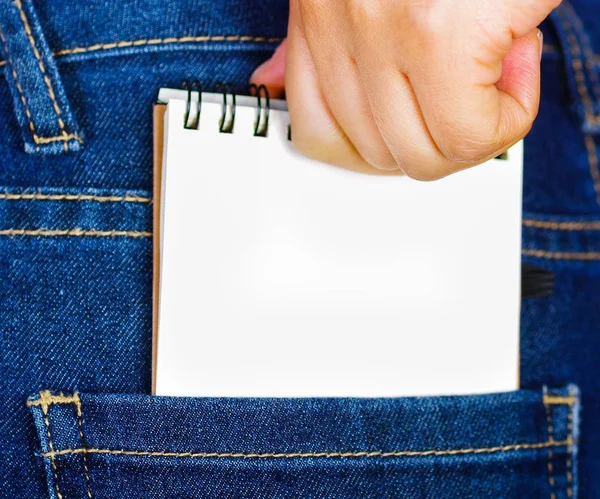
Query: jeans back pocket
(518, 444)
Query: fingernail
(540, 36)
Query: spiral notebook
(280, 276)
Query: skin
(423, 88)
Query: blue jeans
(76, 287)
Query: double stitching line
(569, 17)
(44, 404)
(549, 464)
(569, 460)
(578, 62)
(65, 137)
(36, 138)
(45, 400)
(86, 470)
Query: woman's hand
(420, 87)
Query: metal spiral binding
(227, 120)
(225, 125)
(191, 87)
(261, 125)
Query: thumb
(272, 72)
(520, 81)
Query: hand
(419, 87)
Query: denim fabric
(76, 297)
(47, 124)
(117, 446)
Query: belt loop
(43, 112)
(582, 74)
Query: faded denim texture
(76, 294)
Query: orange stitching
(586, 257)
(590, 145)
(567, 226)
(74, 197)
(558, 400)
(74, 233)
(86, 470)
(47, 399)
(36, 138)
(577, 64)
(549, 465)
(294, 455)
(164, 41)
(587, 49)
(37, 55)
(19, 88)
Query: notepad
(279, 276)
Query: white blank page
(283, 276)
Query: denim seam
(549, 464)
(558, 255)
(589, 55)
(590, 145)
(51, 446)
(570, 450)
(73, 197)
(561, 226)
(578, 64)
(164, 41)
(293, 455)
(61, 123)
(36, 138)
(75, 233)
(86, 470)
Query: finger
(272, 72)
(389, 90)
(519, 85)
(469, 118)
(315, 131)
(330, 41)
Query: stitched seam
(577, 65)
(52, 458)
(563, 226)
(294, 455)
(549, 464)
(552, 255)
(167, 41)
(569, 460)
(75, 197)
(75, 233)
(164, 41)
(558, 400)
(46, 399)
(36, 138)
(19, 88)
(42, 67)
(86, 470)
(587, 50)
(590, 145)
